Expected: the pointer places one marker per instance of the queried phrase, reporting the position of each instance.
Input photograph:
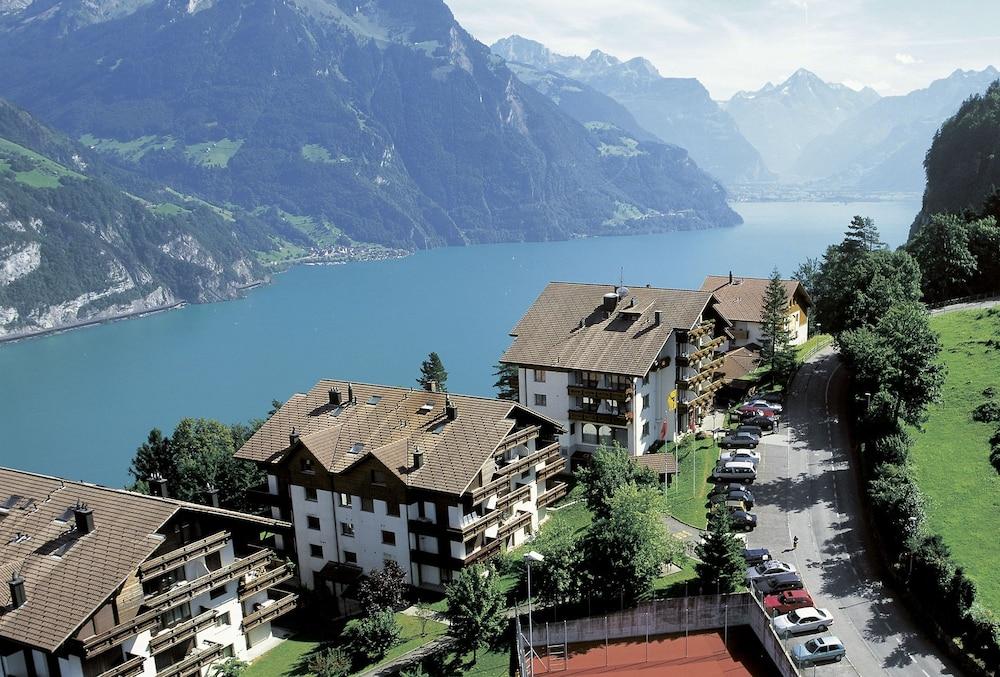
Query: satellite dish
(622, 292)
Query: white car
(770, 568)
(773, 406)
(740, 455)
(806, 619)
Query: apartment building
(99, 582)
(633, 366)
(432, 481)
(741, 301)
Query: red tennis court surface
(706, 656)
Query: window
(347, 529)
(527, 530)
(350, 557)
(228, 651)
(388, 537)
(213, 561)
(589, 433)
(223, 619)
(392, 508)
(311, 494)
(589, 403)
(217, 592)
(470, 546)
(539, 376)
(344, 499)
(367, 504)
(421, 510)
(446, 575)
(316, 551)
(572, 428)
(645, 402)
(175, 615)
(645, 429)
(604, 435)
(312, 522)
(306, 465)
(540, 400)
(645, 380)
(525, 473)
(378, 477)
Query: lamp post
(913, 542)
(868, 399)
(528, 559)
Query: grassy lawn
(813, 345)
(44, 173)
(951, 455)
(686, 498)
(213, 153)
(291, 657)
(132, 150)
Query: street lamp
(530, 557)
(913, 542)
(868, 398)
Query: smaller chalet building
(741, 302)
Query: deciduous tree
(941, 249)
(383, 588)
(476, 609)
(372, 635)
(610, 469)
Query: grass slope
(213, 153)
(686, 498)
(43, 172)
(132, 150)
(951, 455)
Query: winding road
(806, 487)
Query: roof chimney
(610, 302)
(432, 385)
(656, 318)
(335, 397)
(450, 410)
(157, 485)
(418, 458)
(350, 394)
(17, 594)
(211, 495)
(293, 437)
(84, 518)
(730, 277)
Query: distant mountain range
(676, 110)
(781, 120)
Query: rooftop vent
(426, 408)
(335, 397)
(293, 437)
(350, 394)
(357, 447)
(418, 458)
(17, 595)
(374, 399)
(84, 517)
(432, 386)
(610, 302)
(450, 410)
(157, 485)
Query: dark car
(739, 441)
(777, 398)
(770, 585)
(755, 556)
(752, 430)
(764, 423)
(743, 520)
(734, 495)
(726, 488)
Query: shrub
(981, 634)
(897, 504)
(333, 662)
(893, 449)
(987, 412)
(373, 635)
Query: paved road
(807, 488)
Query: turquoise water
(78, 404)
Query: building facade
(107, 583)
(431, 481)
(635, 367)
(741, 301)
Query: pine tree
(862, 235)
(774, 320)
(507, 382)
(432, 369)
(721, 554)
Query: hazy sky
(894, 46)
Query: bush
(373, 635)
(893, 449)
(332, 662)
(987, 412)
(981, 634)
(898, 505)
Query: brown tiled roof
(391, 428)
(68, 575)
(627, 342)
(738, 363)
(744, 300)
(662, 463)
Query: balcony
(181, 632)
(120, 633)
(193, 663)
(703, 399)
(553, 494)
(132, 666)
(261, 495)
(553, 466)
(268, 612)
(188, 590)
(436, 559)
(619, 394)
(250, 586)
(519, 437)
(191, 551)
(522, 493)
(488, 550)
(518, 521)
(598, 417)
(700, 330)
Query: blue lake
(77, 404)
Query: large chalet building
(99, 582)
(633, 366)
(432, 481)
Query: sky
(894, 46)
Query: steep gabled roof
(743, 299)
(625, 342)
(390, 422)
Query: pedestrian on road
(795, 542)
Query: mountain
(677, 110)
(781, 120)
(368, 120)
(76, 247)
(963, 163)
(882, 147)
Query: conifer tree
(774, 330)
(721, 554)
(507, 382)
(432, 369)
(862, 235)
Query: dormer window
(306, 466)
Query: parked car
(763, 423)
(746, 412)
(740, 455)
(726, 488)
(753, 430)
(755, 556)
(770, 585)
(806, 619)
(743, 520)
(777, 398)
(743, 495)
(739, 441)
(786, 601)
(770, 568)
(730, 504)
(766, 404)
(734, 471)
(819, 650)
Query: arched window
(604, 435)
(589, 433)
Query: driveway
(807, 488)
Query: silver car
(806, 619)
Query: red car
(750, 410)
(786, 601)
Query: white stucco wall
(323, 508)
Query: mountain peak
(597, 57)
(803, 77)
(643, 66)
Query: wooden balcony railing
(519, 437)
(515, 496)
(620, 394)
(553, 494)
(175, 558)
(183, 631)
(131, 667)
(266, 580)
(194, 663)
(596, 417)
(213, 579)
(515, 523)
(268, 613)
(118, 634)
(553, 466)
